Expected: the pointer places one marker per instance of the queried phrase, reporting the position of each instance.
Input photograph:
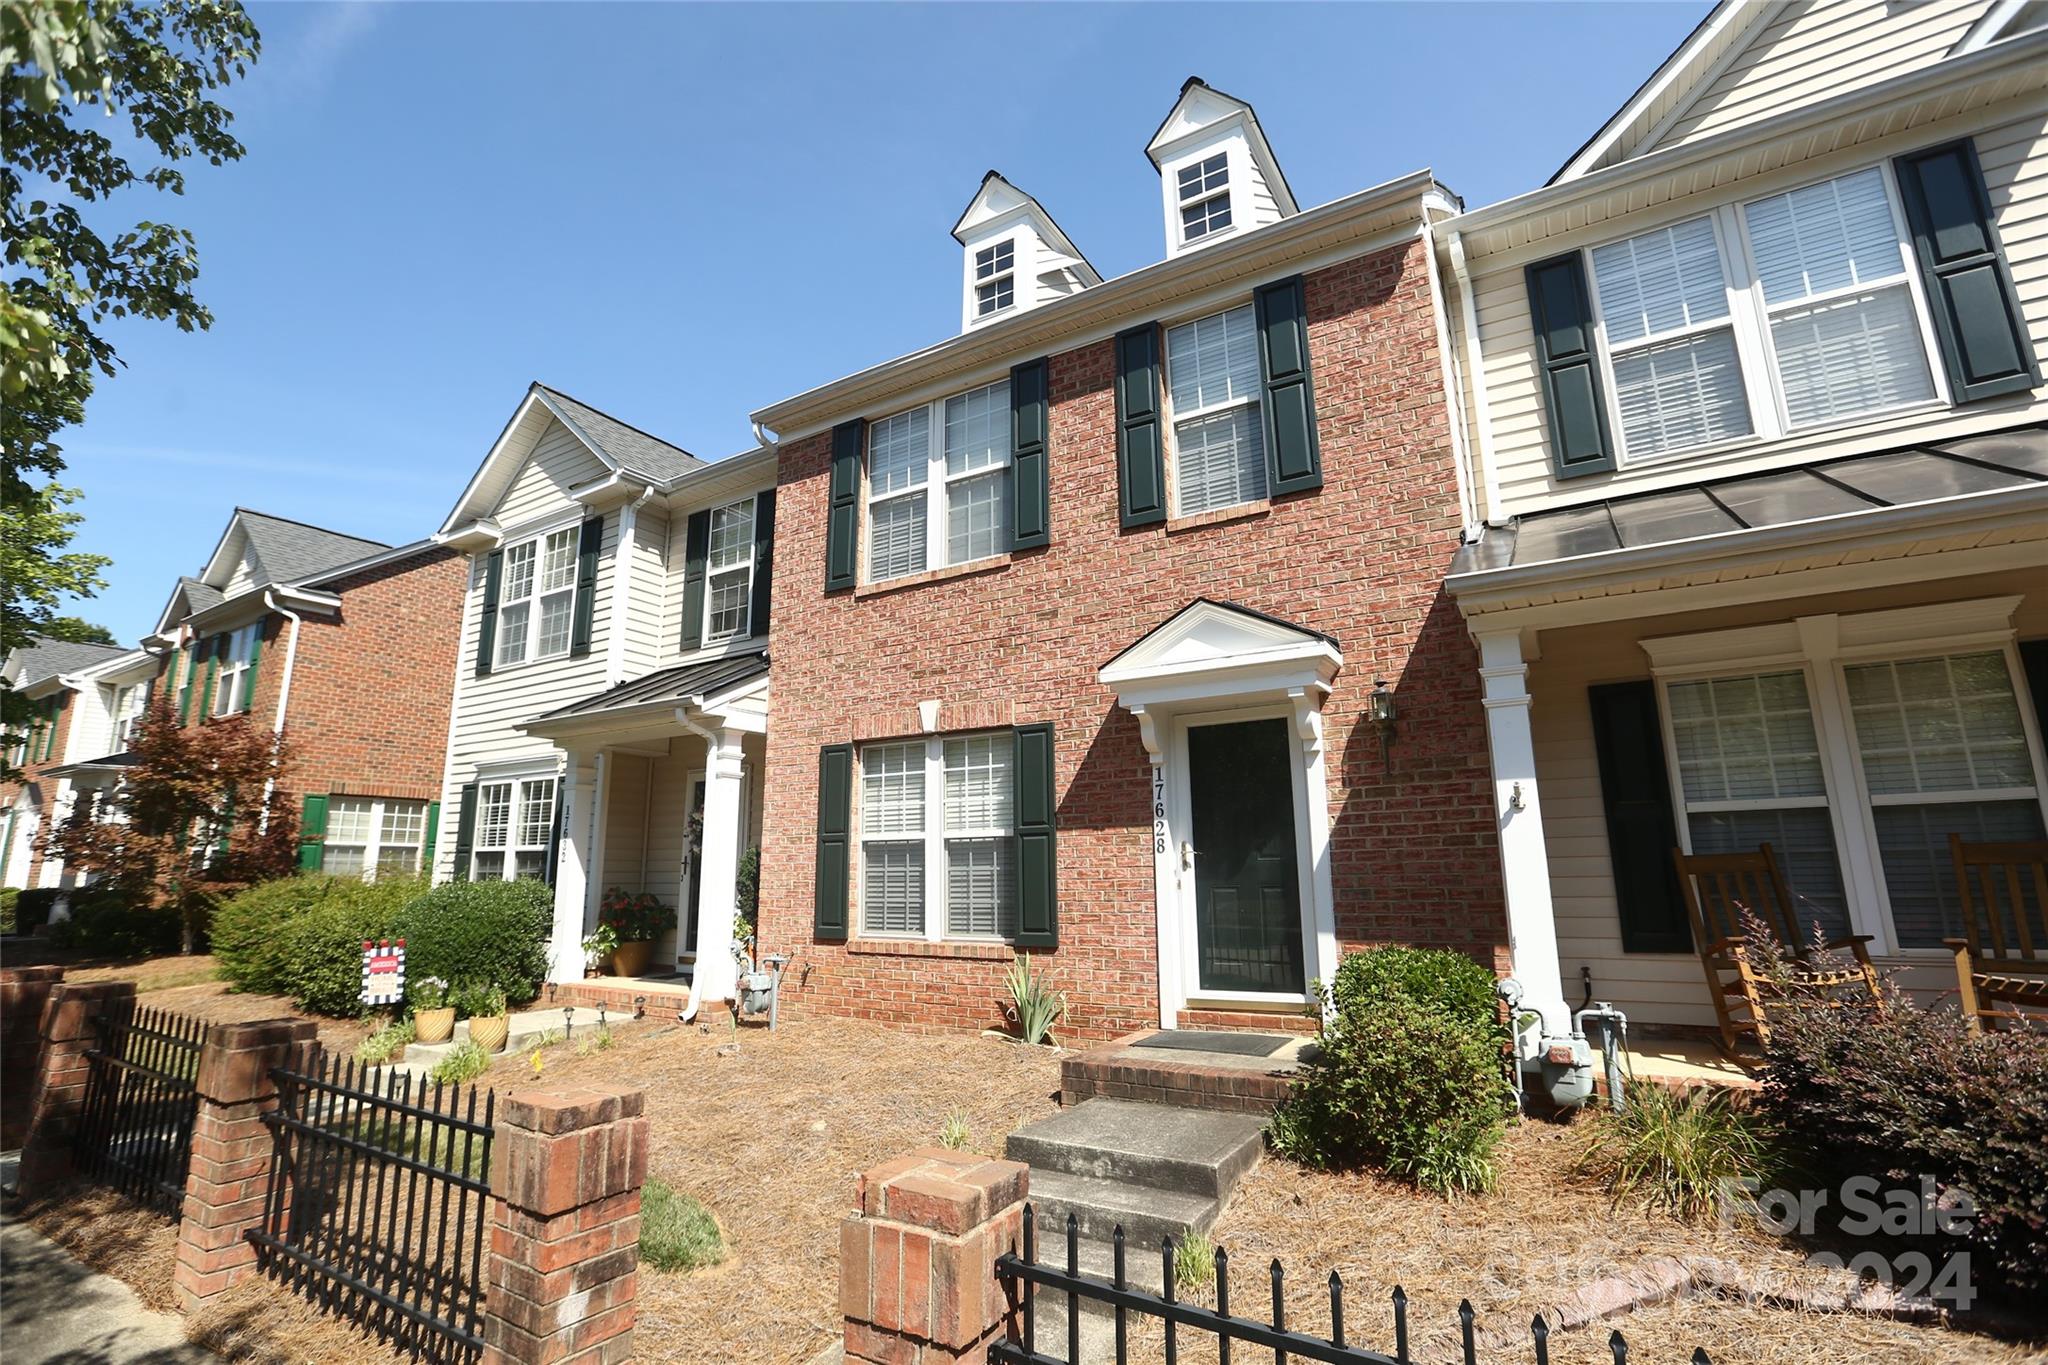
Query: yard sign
(383, 972)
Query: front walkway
(54, 1307)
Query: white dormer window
(995, 277)
(1205, 197)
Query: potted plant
(484, 1005)
(598, 946)
(433, 1014)
(636, 921)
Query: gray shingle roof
(287, 551)
(42, 659)
(628, 446)
(199, 596)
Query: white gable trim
(1990, 26)
(1179, 127)
(508, 454)
(1211, 650)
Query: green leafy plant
(634, 918)
(260, 938)
(478, 1000)
(599, 944)
(746, 894)
(8, 895)
(465, 1063)
(381, 1046)
(1674, 1150)
(114, 923)
(482, 931)
(1446, 983)
(954, 1133)
(1034, 1008)
(32, 906)
(600, 1041)
(676, 1232)
(1194, 1261)
(323, 951)
(428, 993)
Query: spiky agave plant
(1034, 1006)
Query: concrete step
(523, 1031)
(1099, 1207)
(1189, 1151)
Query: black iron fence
(378, 1195)
(141, 1098)
(1023, 1275)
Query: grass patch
(1194, 1261)
(1674, 1150)
(955, 1133)
(465, 1063)
(386, 1043)
(676, 1232)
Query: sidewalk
(53, 1307)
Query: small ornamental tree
(197, 816)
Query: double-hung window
(730, 571)
(515, 823)
(995, 277)
(1204, 197)
(938, 827)
(232, 684)
(537, 598)
(127, 709)
(369, 837)
(1213, 384)
(938, 483)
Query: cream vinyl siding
(559, 463)
(2014, 153)
(243, 578)
(1810, 51)
(648, 644)
(1669, 988)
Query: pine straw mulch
(190, 985)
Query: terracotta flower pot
(631, 958)
(433, 1026)
(489, 1033)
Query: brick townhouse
(1084, 617)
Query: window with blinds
(1749, 772)
(938, 483)
(1214, 385)
(1663, 302)
(1943, 750)
(515, 823)
(369, 837)
(937, 819)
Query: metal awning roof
(669, 686)
(1922, 472)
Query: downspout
(284, 697)
(768, 439)
(1468, 510)
(1482, 416)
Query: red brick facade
(1414, 854)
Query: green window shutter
(764, 563)
(312, 831)
(1635, 787)
(465, 831)
(214, 648)
(181, 688)
(255, 656)
(1294, 457)
(431, 838)
(1038, 907)
(1030, 495)
(588, 543)
(696, 551)
(842, 511)
(487, 620)
(835, 831)
(1140, 449)
(1561, 312)
(1977, 315)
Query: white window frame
(1173, 417)
(373, 849)
(752, 502)
(535, 598)
(233, 672)
(934, 839)
(1203, 196)
(517, 785)
(936, 484)
(994, 276)
(1823, 647)
(1750, 318)
(126, 709)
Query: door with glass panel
(1246, 864)
(693, 857)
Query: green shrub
(322, 947)
(252, 929)
(465, 1063)
(482, 931)
(478, 1000)
(8, 895)
(676, 1232)
(1408, 1076)
(381, 1046)
(112, 924)
(1678, 1151)
(32, 906)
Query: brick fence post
(917, 1281)
(24, 991)
(57, 1098)
(566, 1169)
(227, 1184)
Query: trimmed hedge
(256, 933)
(1445, 983)
(493, 933)
(32, 907)
(112, 924)
(323, 947)
(7, 899)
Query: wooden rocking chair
(1718, 888)
(2002, 964)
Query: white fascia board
(749, 471)
(245, 607)
(220, 547)
(365, 564)
(510, 445)
(484, 533)
(1316, 653)
(1989, 26)
(111, 670)
(1099, 311)
(618, 486)
(1676, 68)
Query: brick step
(1187, 1151)
(1188, 1079)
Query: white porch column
(1518, 809)
(725, 791)
(573, 863)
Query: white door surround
(1214, 663)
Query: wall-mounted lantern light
(1379, 714)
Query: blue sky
(682, 212)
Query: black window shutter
(842, 512)
(588, 542)
(835, 829)
(1030, 494)
(1140, 451)
(1038, 908)
(764, 563)
(487, 625)
(2034, 663)
(1977, 314)
(696, 552)
(465, 832)
(1635, 787)
(1561, 312)
(1294, 458)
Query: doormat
(1196, 1040)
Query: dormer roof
(1199, 110)
(279, 550)
(996, 197)
(1015, 257)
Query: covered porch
(661, 796)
